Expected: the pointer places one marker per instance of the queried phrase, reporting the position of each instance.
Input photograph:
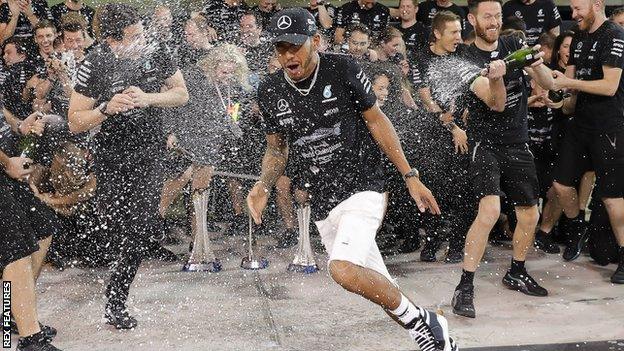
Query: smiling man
(595, 139)
(321, 110)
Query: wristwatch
(413, 173)
(102, 109)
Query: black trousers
(128, 195)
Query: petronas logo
(327, 93)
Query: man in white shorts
(321, 110)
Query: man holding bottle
(501, 163)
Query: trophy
(304, 258)
(202, 257)
(252, 260)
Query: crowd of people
(113, 121)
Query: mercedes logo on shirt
(284, 22)
(282, 105)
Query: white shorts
(349, 231)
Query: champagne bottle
(517, 59)
(28, 146)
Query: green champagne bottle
(517, 59)
(28, 146)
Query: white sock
(407, 312)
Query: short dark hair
(513, 22)
(358, 27)
(474, 4)
(71, 27)
(19, 43)
(114, 18)
(547, 39)
(439, 21)
(618, 11)
(44, 24)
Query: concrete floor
(274, 309)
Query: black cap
(293, 25)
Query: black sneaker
(36, 342)
(431, 332)
(287, 239)
(120, 319)
(524, 283)
(454, 256)
(463, 301)
(428, 253)
(577, 238)
(618, 276)
(48, 332)
(543, 241)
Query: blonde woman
(212, 130)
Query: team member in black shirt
(539, 16)
(324, 15)
(429, 8)
(20, 17)
(329, 126)
(594, 76)
(370, 13)
(265, 10)
(415, 34)
(119, 89)
(444, 144)
(73, 6)
(223, 15)
(501, 162)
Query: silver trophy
(252, 260)
(304, 258)
(202, 257)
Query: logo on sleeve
(617, 47)
(366, 83)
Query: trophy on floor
(202, 257)
(253, 260)
(304, 258)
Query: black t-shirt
(539, 17)
(589, 52)
(101, 76)
(415, 37)
(59, 10)
(376, 19)
(330, 147)
(14, 83)
(428, 9)
(188, 56)
(24, 29)
(258, 58)
(224, 19)
(540, 121)
(509, 126)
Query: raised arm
(491, 88)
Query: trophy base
(254, 264)
(212, 266)
(303, 269)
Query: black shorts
(544, 163)
(583, 151)
(17, 236)
(504, 170)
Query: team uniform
(60, 10)
(128, 151)
(595, 139)
(376, 19)
(428, 9)
(24, 28)
(539, 17)
(224, 18)
(438, 157)
(416, 37)
(501, 162)
(333, 155)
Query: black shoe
(618, 276)
(120, 319)
(454, 256)
(544, 242)
(463, 301)
(524, 283)
(410, 244)
(577, 238)
(36, 342)
(287, 239)
(48, 332)
(428, 253)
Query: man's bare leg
(172, 189)
(23, 297)
(38, 257)
(615, 209)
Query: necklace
(304, 92)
